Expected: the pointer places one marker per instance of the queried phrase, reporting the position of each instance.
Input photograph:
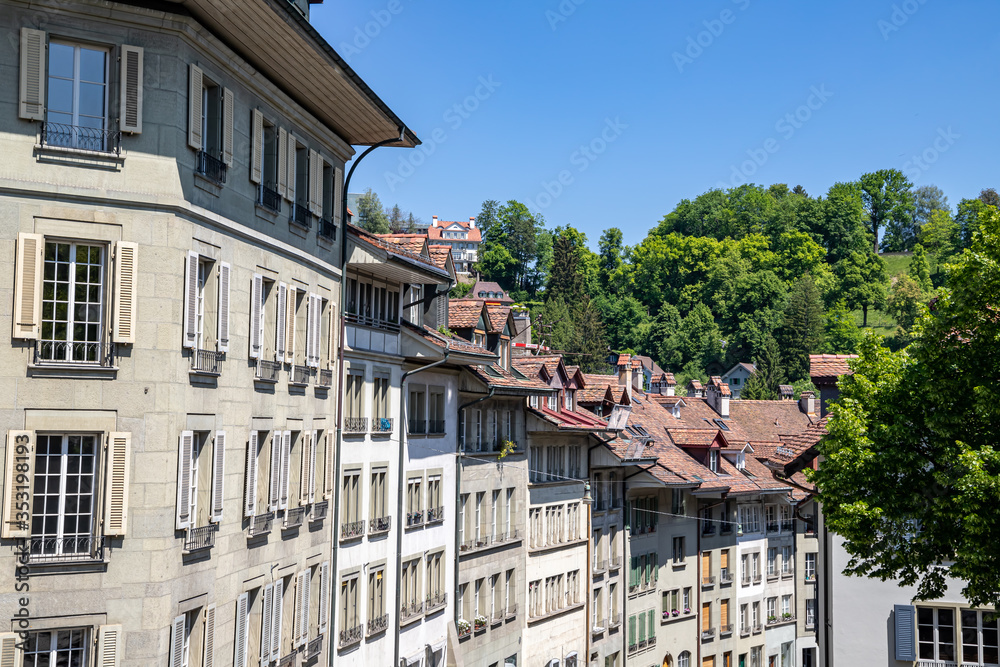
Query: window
(598, 609)
(200, 469)
(350, 620)
(57, 647)
(573, 511)
(414, 501)
(755, 565)
(809, 657)
(553, 402)
(73, 303)
(786, 560)
(410, 588)
(350, 505)
(535, 607)
(786, 605)
(750, 518)
(417, 410)
(713, 460)
(509, 513)
(381, 419)
(687, 598)
(937, 636)
(494, 512)
(537, 536)
(76, 112)
(435, 508)
(206, 310)
(771, 517)
(755, 614)
(379, 510)
(436, 411)
(463, 502)
(744, 618)
(435, 578)
(811, 613)
(354, 421)
(192, 638)
(745, 565)
(772, 555)
(376, 598)
(510, 591)
(63, 504)
(810, 567)
(755, 656)
(684, 659)
(772, 608)
(574, 461)
(677, 502)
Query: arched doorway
(668, 661)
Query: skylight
(721, 424)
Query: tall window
(786, 560)
(810, 567)
(378, 497)
(63, 504)
(678, 549)
(414, 502)
(434, 503)
(354, 421)
(435, 413)
(349, 618)
(77, 100)
(417, 410)
(381, 420)
(72, 302)
(350, 502)
(936, 634)
(811, 614)
(56, 647)
(376, 594)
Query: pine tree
(593, 346)
(803, 327)
(920, 269)
(565, 280)
(763, 384)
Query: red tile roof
(464, 314)
(623, 359)
(693, 437)
(454, 343)
(475, 234)
(498, 318)
(571, 419)
(499, 377)
(439, 255)
(826, 368)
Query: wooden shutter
(191, 300)
(250, 493)
(905, 644)
(318, 184)
(28, 286)
(305, 597)
(177, 642)
(32, 75)
(310, 316)
(706, 616)
(300, 589)
(286, 453)
(276, 617)
(126, 273)
(324, 595)
(724, 613)
(218, 476)
(631, 631)
(10, 652)
(256, 316)
(228, 102)
(109, 641)
(256, 146)
(290, 166)
(266, 621)
(304, 468)
(328, 467)
(280, 326)
(242, 631)
(116, 483)
(706, 564)
(724, 559)
(275, 470)
(282, 158)
(18, 481)
(131, 89)
(224, 272)
(290, 332)
(208, 659)
(195, 112)
(312, 466)
(338, 195)
(184, 451)
(331, 355)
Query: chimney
(718, 398)
(434, 221)
(625, 374)
(670, 390)
(807, 403)
(472, 222)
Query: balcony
(379, 525)
(287, 661)
(299, 376)
(435, 427)
(202, 537)
(319, 510)
(261, 524)
(83, 549)
(269, 199)
(410, 611)
(58, 135)
(414, 519)
(435, 601)
(707, 634)
(616, 562)
(372, 322)
(351, 636)
(511, 610)
(787, 525)
(615, 620)
(725, 630)
(301, 216)
(435, 514)
(355, 424)
(708, 582)
(212, 168)
(313, 648)
(378, 624)
(600, 566)
(381, 425)
(206, 362)
(267, 371)
(327, 229)
(725, 576)
(352, 531)
(67, 353)
(417, 427)
(294, 517)
(744, 630)
(325, 378)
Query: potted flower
(786, 616)
(463, 627)
(772, 619)
(480, 622)
(687, 610)
(675, 612)
(666, 615)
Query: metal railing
(435, 514)
(726, 629)
(351, 635)
(725, 576)
(435, 426)
(288, 660)
(355, 424)
(267, 371)
(708, 580)
(327, 229)
(435, 601)
(84, 548)
(772, 527)
(788, 524)
(269, 199)
(300, 375)
(202, 537)
(378, 624)
(313, 648)
(101, 355)
(294, 517)
(325, 378)
(708, 527)
(410, 610)
(414, 519)
(319, 510)
(352, 530)
(708, 634)
(380, 525)
(372, 322)
(208, 362)
(382, 424)
(59, 135)
(261, 524)
(600, 565)
(416, 427)
(301, 216)
(212, 167)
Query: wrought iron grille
(202, 537)
(261, 524)
(378, 624)
(436, 600)
(380, 525)
(301, 215)
(319, 510)
(381, 424)
(351, 530)
(351, 635)
(66, 352)
(325, 378)
(206, 361)
(355, 424)
(435, 426)
(267, 371)
(83, 138)
(294, 517)
(410, 610)
(417, 427)
(313, 648)
(300, 375)
(327, 229)
(212, 167)
(66, 549)
(435, 514)
(270, 199)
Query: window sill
(558, 612)
(679, 566)
(556, 547)
(108, 160)
(265, 213)
(207, 374)
(67, 370)
(209, 185)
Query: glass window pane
(92, 66)
(60, 98)
(61, 60)
(92, 100)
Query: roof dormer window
(741, 461)
(713, 460)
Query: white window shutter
(208, 660)
(304, 607)
(242, 631)
(282, 158)
(286, 452)
(275, 470)
(311, 316)
(131, 89)
(250, 493)
(117, 483)
(195, 112)
(218, 476)
(10, 651)
(312, 466)
(28, 286)
(338, 195)
(324, 595)
(256, 316)
(304, 468)
(290, 332)
(331, 355)
(276, 618)
(109, 642)
(32, 75)
(256, 146)
(317, 330)
(191, 300)
(228, 102)
(224, 272)
(266, 622)
(300, 588)
(177, 642)
(328, 467)
(290, 166)
(18, 478)
(184, 451)
(126, 274)
(280, 327)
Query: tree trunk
(864, 315)
(875, 242)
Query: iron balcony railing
(410, 610)
(301, 215)
(380, 525)
(207, 362)
(355, 424)
(327, 229)
(435, 514)
(787, 524)
(435, 601)
(212, 167)
(83, 548)
(202, 537)
(60, 352)
(313, 648)
(725, 576)
(414, 519)
(708, 634)
(772, 527)
(378, 624)
(352, 530)
(261, 524)
(325, 378)
(600, 565)
(294, 517)
(319, 510)
(351, 635)
(726, 629)
(300, 375)
(269, 199)
(435, 426)
(381, 424)
(372, 322)
(708, 580)
(59, 135)
(288, 660)
(417, 427)
(267, 371)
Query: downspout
(400, 488)
(340, 367)
(697, 586)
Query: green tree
(396, 219)
(625, 320)
(699, 338)
(565, 281)
(842, 333)
(967, 218)
(662, 341)
(861, 281)
(802, 333)
(919, 269)
(940, 236)
(928, 199)
(611, 259)
(888, 204)
(989, 197)
(763, 384)
(592, 347)
(841, 228)
(910, 472)
(371, 217)
(904, 302)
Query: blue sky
(600, 114)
